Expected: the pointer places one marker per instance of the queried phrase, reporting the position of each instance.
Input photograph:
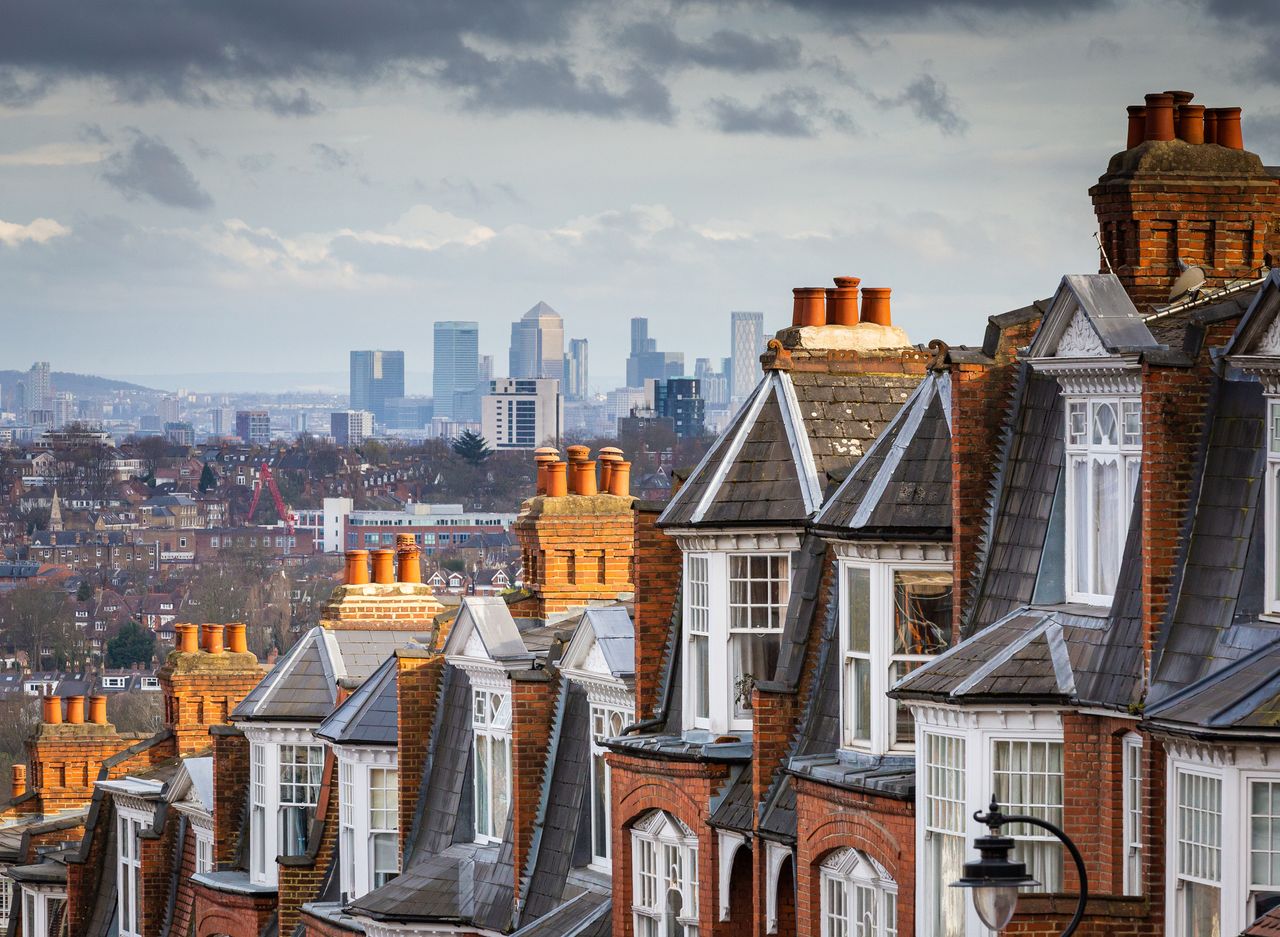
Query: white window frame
(361, 769)
(1082, 449)
(6, 896)
(1177, 860)
(853, 887)
(129, 824)
(1041, 851)
(204, 850)
(491, 731)
(36, 902)
(951, 809)
(606, 722)
(664, 859)
(266, 807)
(1132, 777)
(712, 624)
(1271, 499)
(879, 657)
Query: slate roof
(489, 618)
(1243, 695)
(1219, 592)
(615, 636)
(734, 806)
(902, 486)
(797, 430)
(369, 715)
(442, 815)
(1107, 307)
(302, 686)
(585, 915)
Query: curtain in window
(1107, 516)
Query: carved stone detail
(1080, 340)
(1269, 344)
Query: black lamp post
(995, 878)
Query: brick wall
(230, 792)
(83, 877)
(65, 760)
(395, 606)
(234, 915)
(156, 877)
(417, 692)
(184, 901)
(683, 789)
(533, 695)
(201, 689)
(658, 568)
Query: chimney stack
(98, 710)
(188, 639)
(842, 301)
(408, 569)
(52, 711)
(238, 638)
(1137, 125)
(356, 572)
(75, 710)
(384, 566)
(19, 783)
(1160, 116)
(557, 479)
(875, 305)
(809, 306)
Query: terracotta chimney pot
(1181, 97)
(213, 639)
(578, 453)
(608, 457)
(189, 639)
(1137, 125)
(98, 710)
(19, 783)
(1160, 116)
(1229, 134)
(620, 479)
(408, 569)
(541, 458)
(842, 302)
(582, 478)
(809, 306)
(384, 566)
(1191, 123)
(557, 479)
(75, 710)
(52, 711)
(357, 568)
(238, 638)
(1210, 125)
(875, 305)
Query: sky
(223, 196)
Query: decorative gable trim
(1080, 339)
(798, 437)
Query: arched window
(859, 898)
(664, 877)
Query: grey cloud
(256, 162)
(792, 112)
(1101, 48)
(298, 104)
(844, 10)
(331, 158)
(932, 103)
(726, 49)
(148, 168)
(92, 133)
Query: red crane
(265, 476)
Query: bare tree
(135, 711)
(39, 619)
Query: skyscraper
(39, 395)
(455, 374)
(575, 370)
(375, 377)
(537, 344)
(522, 414)
(746, 343)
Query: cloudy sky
(213, 191)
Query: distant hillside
(82, 385)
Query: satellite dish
(1188, 281)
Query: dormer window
(491, 723)
(1273, 506)
(1103, 458)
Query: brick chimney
(576, 541)
(1185, 190)
(202, 682)
(66, 753)
(394, 598)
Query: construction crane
(265, 477)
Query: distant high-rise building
(575, 370)
(350, 428)
(640, 340)
(168, 409)
(223, 421)
(455, 374)
(486, 371)
(39, 395)
(537, 345)
(180, 434)
(522, 414)
(746, 343)
(680, 399)
(375, 377)
(64, 408)
(254, 427)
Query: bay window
(204, 850)
(491, 726)
(893, 619)
(1132, 781)
(44, 911)
(384, 825)
(664, 898)
(301, 767)
(735, 604)
(1103, 458)
(858, 897)
(6, 897)
(606, 723)
(129, 878)
(368, 819)
(285, 773)
(944, 834)
(1264, 847)
(1198, 854)
(1027, 779)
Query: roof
(485, 629)
(902, 486)
(369, 715)
(302, 686)
(1092, 310)
(604, 643)
(585, 915)
(796, 430)
(1242, 695)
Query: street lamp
(995, 878)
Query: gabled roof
(902, 486)
(604, 643)
(369, 715)
(1091, 315)
(485, 630)
(1258, 333)
(193, 782)
(302, 686)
